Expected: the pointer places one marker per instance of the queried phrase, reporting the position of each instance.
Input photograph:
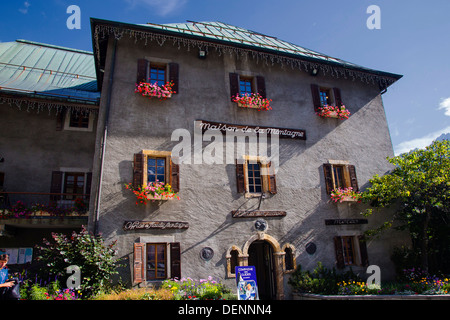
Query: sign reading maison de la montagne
(283, 133)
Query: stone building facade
(48, 118)
(228, 213)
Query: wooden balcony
(43, 210)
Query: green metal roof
(48, 71)
(236, 35)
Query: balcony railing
(16, 205)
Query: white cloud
(162, 7)
(24, 10)
(419, 143)
(445, 104)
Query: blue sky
(413, 41)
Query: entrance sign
(247, 288)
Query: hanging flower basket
(252, 101)
(154, 90)
(153, 191)
(345, 195)
(333, 112)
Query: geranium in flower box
(153, 90)
(253, 101)
(153, 191)
(339, 112)
(345, 195)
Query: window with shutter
(158, 72)
(255, 177)
(152, 165)
(156, 261)
(245, 85)
(323, 96)
(350, 251)
(339, 175)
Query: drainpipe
(105, 134)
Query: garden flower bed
(324, 284)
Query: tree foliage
(419, 189)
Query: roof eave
(148, 28)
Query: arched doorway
(276, 256)
(260, 255)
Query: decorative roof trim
(29, 103)
(103, 29)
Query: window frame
(248, 82)
(67, 122)
(158, 67)
(165, 245)
(65, 186)
(167, 155)
(264, 168)
(328, 96)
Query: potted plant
(153, 90)
(345, 195)
(253, 101)
(338, 112)
(153, 191)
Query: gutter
(105, 134)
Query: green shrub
(95, 259)
(321, 280)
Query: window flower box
(333, 112)
(153, 191)
(154, 90)
(345, 195)
(252, 101)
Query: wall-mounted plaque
(311, 247)
(337, 222)
(207, 253)
(256, 213)
(261, 225)
(146, 225)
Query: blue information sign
(247, 288)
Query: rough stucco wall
(208, 192)
(33, 148)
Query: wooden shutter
(339, 253)
(174, 175)
(272, 180)
(234, 85)
(138, 170)
(142, 71)
(328, 173)
(56, 185)
(88, 184)
(139, 263)
(240, 178)
(315, 96)
(353, 180)
(261, 86)
(363, 251)
(337, 96)
(174, 76)
(175, 260)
